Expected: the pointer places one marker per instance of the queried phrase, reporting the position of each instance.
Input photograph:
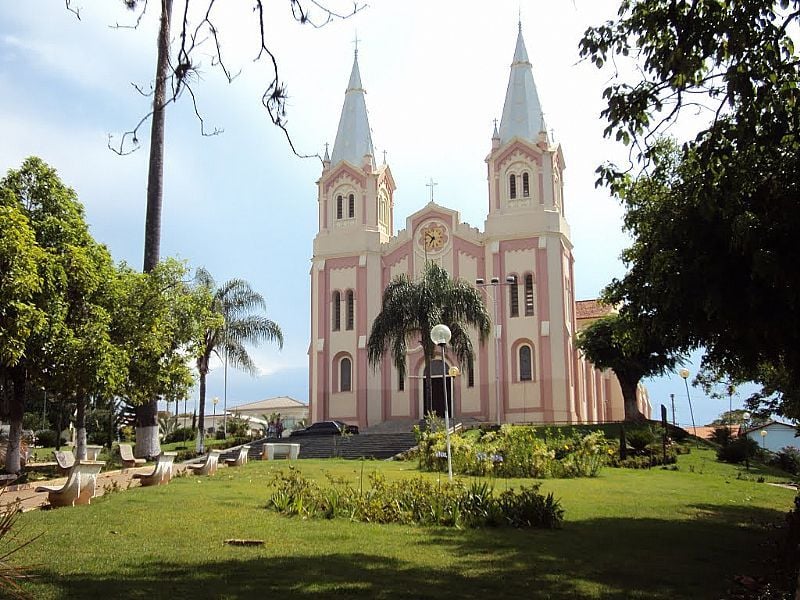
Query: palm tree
(410, 309)
(230, 325)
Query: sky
(242, 205)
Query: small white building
(775, 436)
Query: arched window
(345, 373)
(525, 363)
(513, 298)
(512, 186)
(350, 309)
(339, 207)
(351, 206)
(337, 311)
(528, 295)
(526, 190)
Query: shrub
(47, 438)
(639, 439)
(416, 501)
(738, 450)
(179, 435)
(788, 459)
(722, 436)
(99, 438)
(516, 451)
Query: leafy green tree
(71, 354)
(19, 281)
(629, 348)
(411, 308)
(157, 320)
(230, 324)
(714, 222)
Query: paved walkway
(31, 500)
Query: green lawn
(628, 534)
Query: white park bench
(273, 450)
(80, 487)
(209, 465)
(129, 461)
(240, 459)
(65, 459)
(162, 471)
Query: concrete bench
(208, 466)
(272, 450)
(162, 471)
(65, 459)
(80, 487)
(128, 460)
(241, 458)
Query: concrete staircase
(367, 445)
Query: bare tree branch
(74, 11)
(131, 5)
(185, 69)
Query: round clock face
(433, 238)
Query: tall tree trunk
(428, 404)
(80, 429)
(59, 423)
(15, 412)
(629, 386)
(201, 422)
(147, 414)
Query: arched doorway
(435, 403)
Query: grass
(628, 534)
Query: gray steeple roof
(522, 112)
(353, 138)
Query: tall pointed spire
(522, 112)
(353, 138)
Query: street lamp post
(440, 335)
(763, 434)
(745, 419)
(215, 401)
(494, 282)
(672, 399)
(225, 399)
(685, 374)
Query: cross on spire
(431, 184)
(355, 42)
(384, 157)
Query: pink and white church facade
(529, 370)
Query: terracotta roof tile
(591, 309)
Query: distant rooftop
(271, 404)
(591, 309)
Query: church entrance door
(435, 403)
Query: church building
(529, 371)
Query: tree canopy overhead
(714, 222)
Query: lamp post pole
(214, 420)
(440, 335)
(745, 419)
(494, 282)
(763, 434)
(685, 374)
(225, 399)
(672, 399)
